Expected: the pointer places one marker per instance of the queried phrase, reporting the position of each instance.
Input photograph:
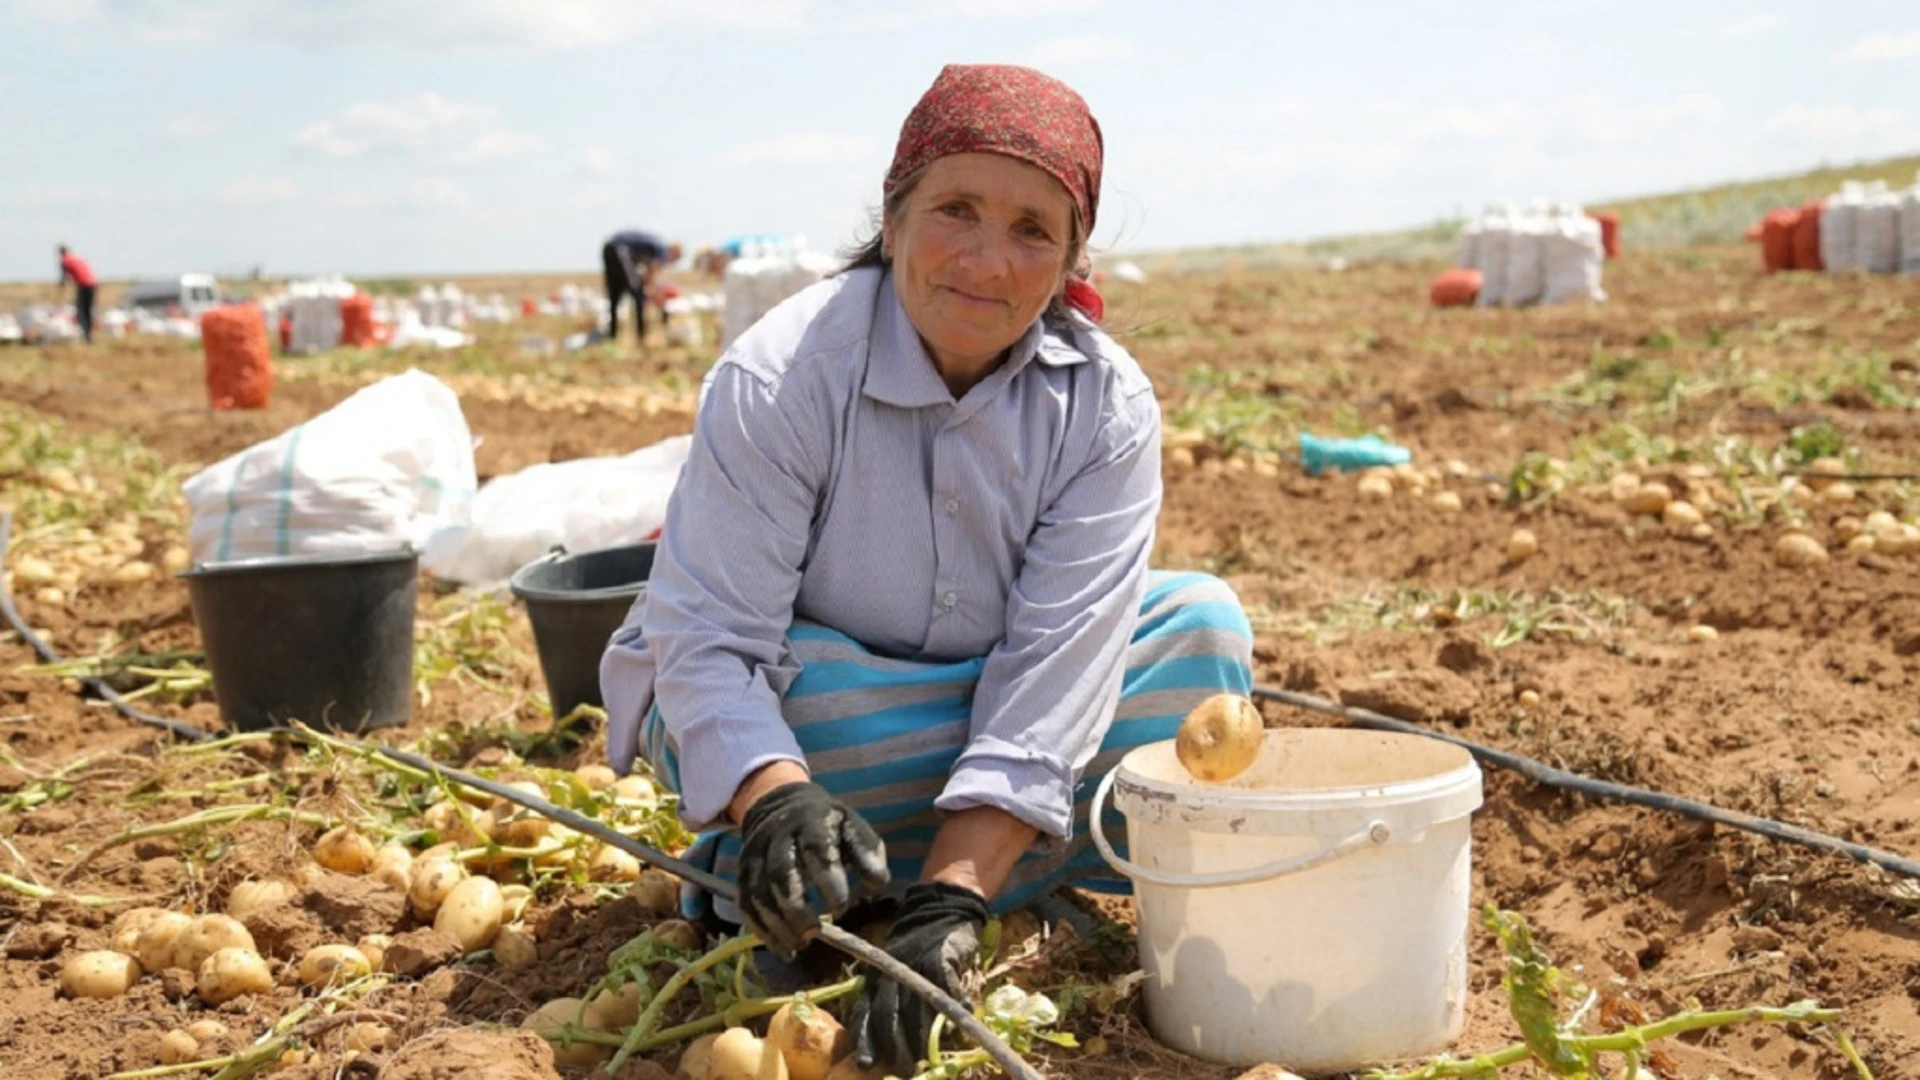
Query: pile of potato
(148, 940)
(447, 886)
(114, 556)
(1190, 451)
(802, 1041)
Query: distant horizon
(378, 137)
(429, 277)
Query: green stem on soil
(219, 815)
(1852, 1055)
(43, 892)
(217, 787)
(1632, 1039)
(221, 745)
(260, 1054)
(368, 753)
(650, 1016)
(952, 1065)
(739, 1013)
(501, 851)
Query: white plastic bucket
(1311, 912)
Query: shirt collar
(899, 371)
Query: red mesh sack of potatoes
(1806, 237)
(1776, 239)
(1454, 288)
(239, 360)
(356, 321)
(1609, 232)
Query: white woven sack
(382, 469)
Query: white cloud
(1883, 46)
(193, 125)
(258, 191)
(1869, 128)
(1376, 144)
(426, 125)
(58, 12)
(406, 25)
(1759, 25)
(596, 161)
(35, 195)
(1081, 49)
(901, 15)
(1024, 9)
(800, 148)
(1540, 45)
(498, 144)
(434, 191)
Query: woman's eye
(955, 210)
(1033, 232)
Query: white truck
(186, 295)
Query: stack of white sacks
(1541, 255)
(315, 309)
(760, 279)
(1866, 226)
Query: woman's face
(979, 248)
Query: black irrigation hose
(47, 655)
(957, 1014)
(1549, 776)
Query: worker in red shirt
(75, 269)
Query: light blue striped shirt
(834, 478)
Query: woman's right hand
(795, 836)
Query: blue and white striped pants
(881, 735)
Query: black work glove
(937, 934)
(798, 835)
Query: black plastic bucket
(323, 639)
(575, 603)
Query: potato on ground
(554, 1017)
(230, 973)
(472, 913)
(739, 1054)
(326, 965)
(101, 973)
(809, 1038)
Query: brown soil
(1806, 708)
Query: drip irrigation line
(1549, 776)
(957, 1014)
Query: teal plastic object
(1318, 454)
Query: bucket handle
(1376, 832)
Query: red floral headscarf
(1016, 112)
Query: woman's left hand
(937, 934)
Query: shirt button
(950, 599)
(953, 506)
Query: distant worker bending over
(631, 260)
(75, 269)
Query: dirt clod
(473, 1055)
(353, 907)
(419, 951)
(37, 941)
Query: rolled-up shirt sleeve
(1048, 691)
(720, 599)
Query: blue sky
(421, 136)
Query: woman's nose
(985, 255)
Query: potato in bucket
(1219, 738)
